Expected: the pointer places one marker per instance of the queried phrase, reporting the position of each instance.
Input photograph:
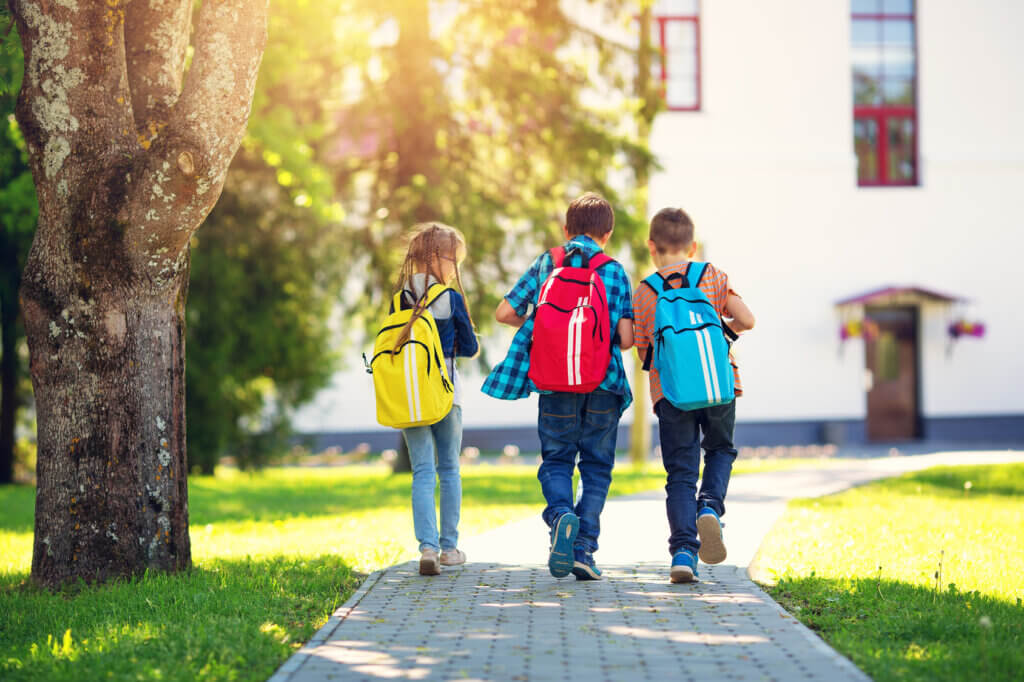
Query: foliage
(263, 285)
(912, 578)
(275, 553)
(18, 212)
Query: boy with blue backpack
(574, 314)
(685, 315)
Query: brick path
(503, 617)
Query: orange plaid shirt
(714, 284)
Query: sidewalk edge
(812, 637)
(296, 660)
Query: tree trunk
(128, 159)
(640, 431)
(109, 377)
(8, 382)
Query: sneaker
(583, 566)
(684, 567)
(709, 530)
(430, 562)
(560, 561)
(453, 557)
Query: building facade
(857, 168)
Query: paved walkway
(503, 617)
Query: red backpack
(570, 350)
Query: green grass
(274, 554)
(913, 578)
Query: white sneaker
(430, 563)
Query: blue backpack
(689, 346)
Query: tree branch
(156, 42)
(184, 169)
(73, 100)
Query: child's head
(671, 235)
(435, 249)
(592, 215)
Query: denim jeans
(680, 452)
(446, 437)
(577, 423)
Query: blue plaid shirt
(508, 380)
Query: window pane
(898, 62)
(887, 357)
(898, 6)
(681, 93)
(680, 35)
(866, 89)
(675, 7)
(898, 32)
(865, 32)
(901, 149)
(865, 6)
(899, 91)
(865, 142)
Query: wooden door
(892, 365)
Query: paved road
(503, 617)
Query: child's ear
(652, 247)
(692, 251)
(565, 232)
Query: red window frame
(882, 114)
(663, 20)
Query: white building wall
(767, 172)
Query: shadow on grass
(223, 620)
(897, 631)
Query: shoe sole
(682, 574)
(561, 561)
(712, 546)
(428, 567)
(584, 572)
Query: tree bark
(640, 430)
(103, 291)
(8, 377)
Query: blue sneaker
(684, 567)
(709, 531)
(584, 567)
(563, 536)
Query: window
(677, 31)
(883, 37)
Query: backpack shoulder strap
(396, 302)
(697, 269)
(557, 256)
(656, 282)
(598, 259)
(434, 292)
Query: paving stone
(503, 617)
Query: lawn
(274, 554)
(913, 578)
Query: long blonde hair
(429, 244)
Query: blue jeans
(587, 424)
(446, 436)
(680, 452)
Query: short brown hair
(671, 230)
(589, 214)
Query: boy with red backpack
(574, 311)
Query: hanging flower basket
(963, 328)
(866, 329)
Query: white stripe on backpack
(702, 351)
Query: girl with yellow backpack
(417, 386)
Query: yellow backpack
(411, 382)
